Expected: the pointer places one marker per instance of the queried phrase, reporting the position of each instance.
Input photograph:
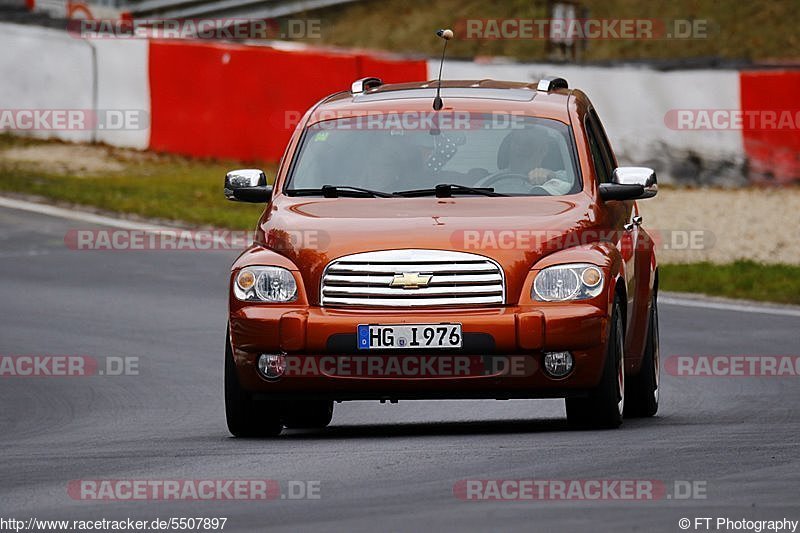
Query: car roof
(484, 96)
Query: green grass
(149, 185)
(743, 279)
(737, 30)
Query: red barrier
(242, 102)
(391, 70)
(771, 126)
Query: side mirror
(630, 183)
(247, 185)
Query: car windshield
(509, 154)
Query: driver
(527, 151)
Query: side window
(602, 139)
(600, 163)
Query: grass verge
(747, 280)
(126, 181)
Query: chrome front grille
(412, 278)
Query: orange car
(489, 247)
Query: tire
(247, 417)
(604, 406)
(643, 391)
(309, 414)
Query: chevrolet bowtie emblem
(411, 280)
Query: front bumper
(313, 334)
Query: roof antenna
(446, 35)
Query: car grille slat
(392, 268)
(439, 278)
(384, 280)
(391, 292)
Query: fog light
(558, 364)
(271, 365)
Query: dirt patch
(67, 159)
(725, 225)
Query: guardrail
(231, 8)
(25, 11)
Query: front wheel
(606, 403)
(247, 417)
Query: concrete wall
(45, 69)
(123, 83)
(48, 69)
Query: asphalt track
(380, 466)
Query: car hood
(515, 231)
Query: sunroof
(518, 95)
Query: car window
(514, 155)
(602, 139)
(600, 164)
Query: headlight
(577, 281)
(265, 284)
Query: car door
(639, 254)
(625, 220)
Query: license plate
(409, 336)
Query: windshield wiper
(446, 190)
(335, 191)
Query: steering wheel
(538, 190)
(502, 175)
(507, 175)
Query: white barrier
(632, 102)
(47, 69)
(124, 84)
